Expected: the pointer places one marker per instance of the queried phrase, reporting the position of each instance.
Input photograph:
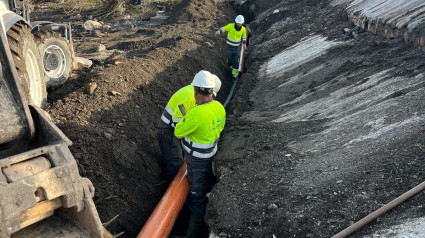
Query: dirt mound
(114, 129)
(317, 137)
(203, 11)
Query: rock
(288, 155)
(127, 17)
(91, 87)
(107, 27)
(346, 30)
(77, 17)
(148, 15)
(97, 33)
(115, 93)
(103, 56)
(101, 48)
(272, 206)
(276, 11)
(91, 25)
(108, 135)
(83, 62)
(222, 235)
(128, 23)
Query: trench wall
(390, 18)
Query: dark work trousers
(198, 171)
(171, 152)
(232, 54)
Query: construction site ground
(285, 169)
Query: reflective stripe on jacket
(201, 128)
(172, 114)
(234, 37)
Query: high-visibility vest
(172, 114)
(234, 37)
(201, 128)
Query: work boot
(235, 73)
(197, 228)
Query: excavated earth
(113, 130)
(326, 125)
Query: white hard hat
(204, 79)
(217, 85)
(239, 19)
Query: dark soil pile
(113, 130)
(269, 189)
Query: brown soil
(114, 136)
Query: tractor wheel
(28, 64)
(56, 56)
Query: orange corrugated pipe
(161, 222)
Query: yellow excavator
(41, 191)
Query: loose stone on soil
(92, 25)
(108, 136)
(83, 62)
(115, 93)
(101, 48)
(97, 33)
(91, 87)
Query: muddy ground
(270, 181)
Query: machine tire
(27, 61)
(56, 55)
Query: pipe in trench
(359, 224)
(162, 220)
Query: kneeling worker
(200, 130)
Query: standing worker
(200, 130)
(236, 33)
(171, 150)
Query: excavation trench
(325, 125)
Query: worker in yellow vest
(171, 150)
(236, 34)
(199, 131)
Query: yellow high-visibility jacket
(234, 37)
(201, 128)
(172, 114)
